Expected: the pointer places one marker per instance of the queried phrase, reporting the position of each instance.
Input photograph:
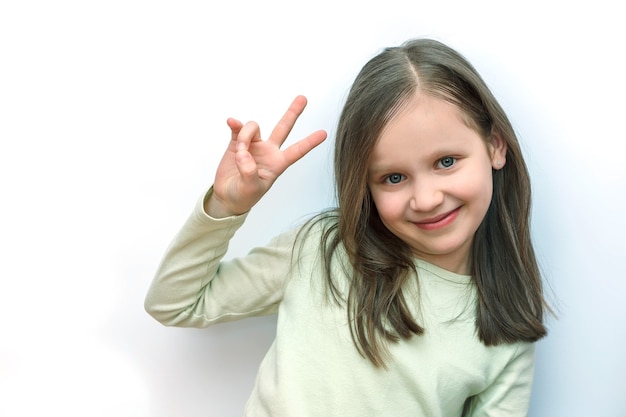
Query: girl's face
(431, 180)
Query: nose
(426, 197)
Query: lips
(438, 222)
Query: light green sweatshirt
(313, 367)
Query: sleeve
(509, 394)
(193, 287)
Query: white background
(112, 121)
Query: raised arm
(192, 286)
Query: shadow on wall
(190, 372)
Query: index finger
(286, 123)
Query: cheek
(479, 188)
(388, 205)
(474, 185)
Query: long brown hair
(510, 305)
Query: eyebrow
(436, 155)
(374, 171)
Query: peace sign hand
(251, 165)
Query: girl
(419, 295)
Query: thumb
(246, 165)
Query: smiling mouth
(439, 221)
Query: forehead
(425, 121)
(428, 106)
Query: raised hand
(251, 165)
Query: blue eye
(394, 178)
(447, 162)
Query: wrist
(214, 207)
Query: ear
(497, 151)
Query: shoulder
(316, 233)
(306, 236)
(321, 225)
(315, 239)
